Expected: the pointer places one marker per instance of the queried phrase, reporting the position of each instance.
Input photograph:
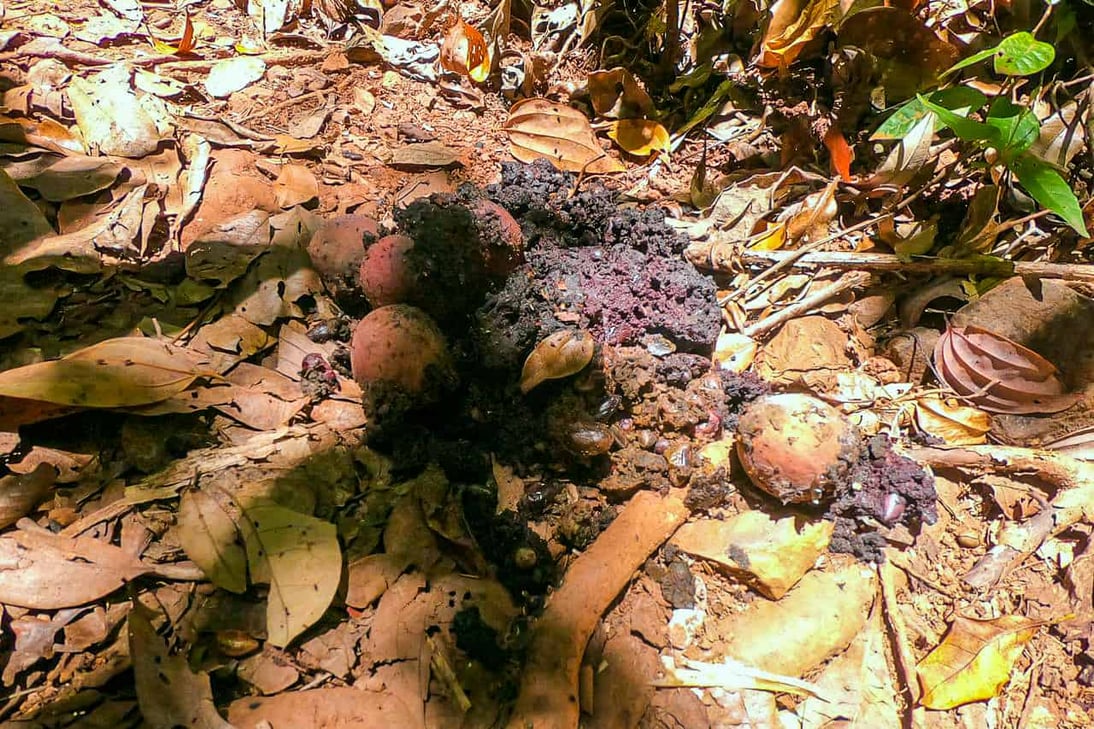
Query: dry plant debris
(556, 364)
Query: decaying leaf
(974, 660)
(299, 558)
(640, 137)
(169, 693)
(997, 374)
(234, 74)
(111, 116)
(615, 94)
(45, 571)
(950, 422)
(20, 493)
(465, 52)
(794, 23)
(295, 185)
(207, 532)
(122, 372)
(561, 354)
(544, 128)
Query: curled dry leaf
(997, 374)
(640, 137)
(465, 52)
(20, 493)
(973, 661)
(544, 128)
(561, 354)
(952, 423)
(615, 94)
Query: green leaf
(1018, 126)
(1021, 55)
(960, 99)
(974, 58)
(1050, 189)
(965, 128)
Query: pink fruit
(338, 247)
(400, 345)
(385, 275)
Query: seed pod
(561, 354)
(590, 439)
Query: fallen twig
(888, 262)
(846, 282)
(1074, 501)
(549, 684)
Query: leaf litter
(191, 471)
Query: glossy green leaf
(959, 99)
(965, 128)
(1018, 126)
(974, 58)
(1050, 189)
(1021, 55)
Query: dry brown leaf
(20, 493)
(543, 128)
(327, 708)
(974, 660)
(207, 532)
(561, 354)
(425, 154)
(997, 374)
(640, 137)
(295, 185)
(169, 693)
(122, 372)
(794, 23)
(464, 51)
(45, 571)
(615, 94)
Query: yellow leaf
(952, 423)
(543, 128)
(771, 239)
(973, 661)
(299, 557)
(640, 137)
(794, 24)
(122, 372)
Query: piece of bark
(548, 697)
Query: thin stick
(889, 262)
(846, 282)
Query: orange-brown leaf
(465, 52)
(543, 128)
(973, 661)
(840, 153)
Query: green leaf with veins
(1050, 189)
(1018, 126)
(1022, 55)
(959, 99)
(967, 129)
